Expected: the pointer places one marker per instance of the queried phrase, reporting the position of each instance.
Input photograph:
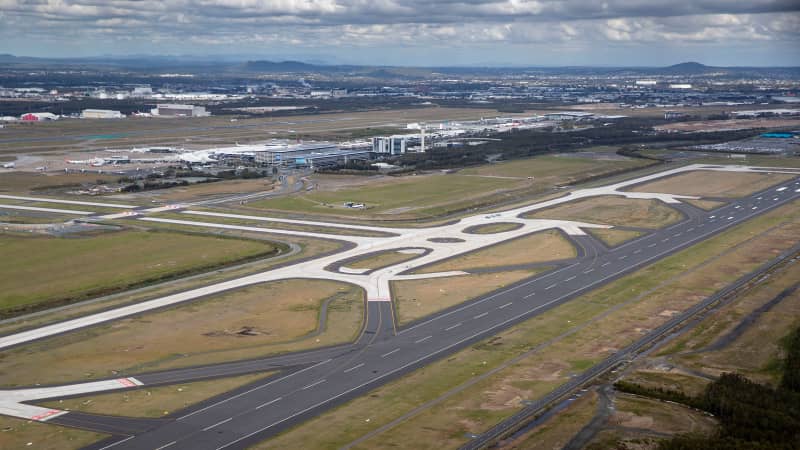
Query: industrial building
(307, 155)
(393, 145)
(101, 114)
(175, 110)
(568, 115)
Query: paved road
(382, 354)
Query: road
(382, 354)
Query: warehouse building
(175, 110)
(101, 114)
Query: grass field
(613, 210)
(556, 432)
(380, 260)
(538, 247)
(553, 169)
(245, 323)
(612, 236)
(38, 271)
(709, 183)
(204, 190)
(493, 228)
(414, 299)
(595, 323)
(19, 434)
(708, 205)
(410, 196)
(29, 182)
(153, 401)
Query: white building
(174, 110)
(392, 145)
(101, 114)
(680, 86)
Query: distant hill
(689, 68)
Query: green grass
(418, 194)
(551, 166)
(41, 271)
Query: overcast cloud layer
(414, 32)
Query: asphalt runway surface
(315, 381)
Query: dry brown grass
(248, 322)
(383, 259)
(20, 434)
(725, 125)
(415, 299)
(153, 401)
(661, 417)
(199, 191)
(612, 236)
(535, 248)
(710, 183)
(707, 205)
(29, 182)
(557, 431)
(613, 210)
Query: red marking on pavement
(126, 382)
(42, 416)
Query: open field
(75, 135)
(553, 169)
(493, 228)
(709, 183)
(383, 259)
(613, 210)
(202, 191)
(268, 224)
(708, 205)
(153, 401)
(398, 197)
(728, 125)
(473, 398)
(757, 350)
(307, 247)
(414, 299)
(18, 434)
(38, 271)
(556, 432)
(245, 323)
(30, 182)
(613, 237)
(661, 417)
(539, 247)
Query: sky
(414, 32)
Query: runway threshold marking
(387, 354)
(453, 327)
(423, 339)
(217, 424)
(269, 403)
(353, 368)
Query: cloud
(391, 23)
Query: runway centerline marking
(605, 264)
(269, 403)
(452, 327)
(313, 384)
(217, 424)
(353, 368)
(530, 295)
(159, 448)
(550, 287)
(481, 315)
(423, 339)
(588, 271)
(387, 354)
(503, 306)
(571, 278)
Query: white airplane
(10, 165)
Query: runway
(242, 419)
(314, 381)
